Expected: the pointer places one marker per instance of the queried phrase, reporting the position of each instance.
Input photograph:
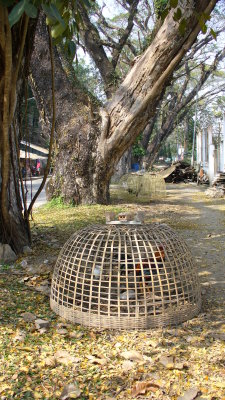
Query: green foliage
(23, 6)
(56, 202)
(17, 12)
(31, 10)
(173, 3)
(177, 15)
(89, 78)
(182, 26)
(161, 9)
(213, 33)
(63, 18)
(137, 149)
(4, 267)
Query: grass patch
(184, 225)
(59, 222)
(56, 202)
(70, 218)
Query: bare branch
(123, 39)
(92, 40)
(181, 106)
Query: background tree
(90, 141)
(199, 74)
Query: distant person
(28, 171)
(33, 170)
(38, 167)
(23, 170)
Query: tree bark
(89, 147)
(123, 167)
(15, 52)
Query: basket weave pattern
(125, 277)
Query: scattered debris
(7, 255)
(23, 263)
(20, 336)
(97, 360)
(41, 269)
(70, 391)
(167, 362)
(62, 331)
(180, 171)
(76, 335)
(28, 317)
(171, 363)
(219, 180)
(215, 192)
(41, 323)
(143, 388)
(218, 336)
(132, 355)
(190, 394)
(27, 250)
(65, 358)
(45, 289)
(128, 365)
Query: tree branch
(95, 48)
(181, 108)
(123, 39)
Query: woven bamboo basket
(125, 275)
(144, 185)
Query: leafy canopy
(63, 17)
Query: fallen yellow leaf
(220, 384)
(24, 369)
(37, 395)
(4, 387)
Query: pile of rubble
(218, 186)
(180, 171)
(219, 180)
(215, 192)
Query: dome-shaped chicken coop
(142, 185)
(125, 276)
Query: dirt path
(201, 222)
(207, 241)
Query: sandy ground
(207, 242)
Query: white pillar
(222, 161)
(211, 161)
(199, 147)
(204, 156)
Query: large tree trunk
(77, 124)
(15, 52)
(89, 147)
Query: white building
(211, 149)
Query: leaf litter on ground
(72, 358)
